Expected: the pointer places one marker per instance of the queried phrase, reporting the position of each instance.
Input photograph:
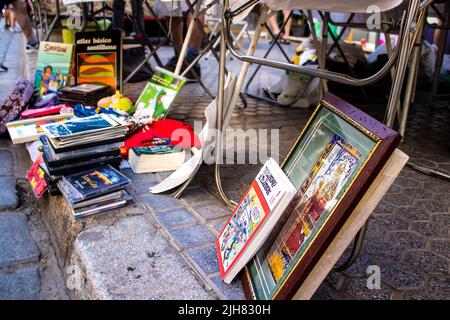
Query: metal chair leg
(358, 244)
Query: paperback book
(98, 58)
(253, 219)
(53, 67)
(158, 95)
(156, 158)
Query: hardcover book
(53, 66)
(158, 95)
(256, 214)
(98, 58)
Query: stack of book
(95, 190)
(80, 144)
(86, 94)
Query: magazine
(256, 214)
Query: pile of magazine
(95, 190)
(80, 144)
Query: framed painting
(332, 164)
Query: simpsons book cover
(53, 67)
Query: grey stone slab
(16, 243)
(212, 211)
(6, 169)
(407, 240)
(358, 289)
(23, 284)
(205, 258)
(400, 276)
(176, 217)
(232, 291)
(432, 229)
(131, 260)
(192, 236)
(8, 197)
(195, 194)
(160, 202)
(440, 285)
(427, 261)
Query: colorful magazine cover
(151, 150)
(98, 58)
(158, 95)
(53, 67)
(260, 199)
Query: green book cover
(53, 66)
(153, 150)
(158, 95)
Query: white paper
(33, 149)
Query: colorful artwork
(53, 67)
(97, 68)
(98, 58)
(317, 194)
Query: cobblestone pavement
(27, 263)
(408, 235)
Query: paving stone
(385, 207)
(431, 205)
(324, 293)
(413, 213)
(8, 197)
(131, 260)
(443, 218)
(160, 202)
(400, 276)
(407, 240)
(418, 193)
(427, 261)
(358, 289)
(6, 169)
(195, 194)
(176, 217)
(16, 243)
(359, 268)
(219, 224)
(192, 236)
(212, 211)
(382, 250)
(390, 222)
(438, 186)
(398, 199)
(23, 284)
(440, 286)
(432, 229)
(232, 291)
(441, 246)
(4, 142)
(205, 258)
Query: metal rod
(220, 108)
(356, 250)
(387, 37)
(402, 62)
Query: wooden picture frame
(333, 163)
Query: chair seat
(345, 6)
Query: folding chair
(411, 26)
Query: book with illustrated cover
(92, 183)
(156, 158)
(254, 217)
(158, 95)
(27, 130)
(98, 58)
(53, 67)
